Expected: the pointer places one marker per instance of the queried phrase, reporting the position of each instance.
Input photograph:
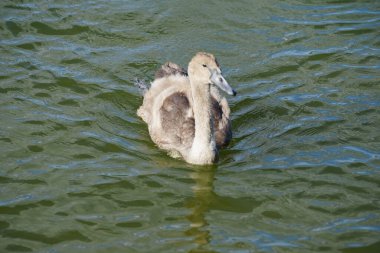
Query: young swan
(185, 114)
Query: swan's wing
(177, 122)
(169, 75)
(169, 69)
(222, 124)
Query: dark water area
(79, 173)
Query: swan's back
(167, 109)
(170, 69)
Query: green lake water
(79, 172)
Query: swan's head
(204, 69)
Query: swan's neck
(203, 150)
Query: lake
(79, 172)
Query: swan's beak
(218, 80)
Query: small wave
(45, 29)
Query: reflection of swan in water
(200, 205)
(205, 199)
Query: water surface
(79, 172)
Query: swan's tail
(141, 85)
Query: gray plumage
(169, 69)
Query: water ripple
(300, 174)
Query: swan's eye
(204, 65)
